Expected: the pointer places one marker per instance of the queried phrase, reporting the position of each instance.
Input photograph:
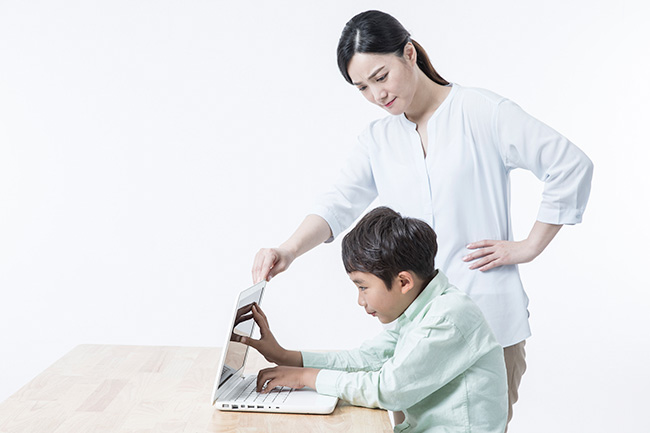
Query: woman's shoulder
(477, 96)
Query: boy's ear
(406, 281)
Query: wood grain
(147, 389)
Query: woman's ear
(410, 54)
(406, 282)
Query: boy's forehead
(359, 277)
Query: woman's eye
(383, 77)
(362, 88)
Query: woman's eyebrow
(372, 75)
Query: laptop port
(225, 405)
(260, 407)
(234, 406)
(251, 407)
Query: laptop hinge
(230, 384)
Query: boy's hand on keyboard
(267, 345)
(294, 377)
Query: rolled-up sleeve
(352, 192)
(566, 171)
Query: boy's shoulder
(454, 307)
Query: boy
(438, 363)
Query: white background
(148, 149)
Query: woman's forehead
(364, 66)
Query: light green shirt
(440, 364)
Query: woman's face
(386, 79)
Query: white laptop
(233, 391)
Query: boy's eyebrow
(373, 74)
(358, 281)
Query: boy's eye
(363, 289)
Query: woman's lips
(390, 103)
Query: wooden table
(105, 388)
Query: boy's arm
(431, 358)
(369, 357)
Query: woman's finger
(493, 264)
(270, 259)
(264, 261)
(478, 254)
(481, 244)
(484, 261)
(257, 267)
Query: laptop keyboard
(250, 395)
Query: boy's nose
(361, 301)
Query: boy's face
(377, 300)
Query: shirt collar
(409, 124)
(435, 288)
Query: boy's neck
(416, 289)
(425, 283)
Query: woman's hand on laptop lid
(268, 346)
(269, 262)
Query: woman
(444, 155)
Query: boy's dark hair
(384, 244)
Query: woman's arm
(269, 262)
(525, 142)
(493, 253)
(336, 209)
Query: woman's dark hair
(379, 33)
(384, 244)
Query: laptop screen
(242, 326)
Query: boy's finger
(249, 342)
(270, 385)
(243, 318)
(260, 318)
(262, 377)
(259, 310)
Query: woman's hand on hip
(490, 254)
(269, 262)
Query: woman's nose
(379, 94)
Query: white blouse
(462, 188)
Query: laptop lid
(233, 357)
